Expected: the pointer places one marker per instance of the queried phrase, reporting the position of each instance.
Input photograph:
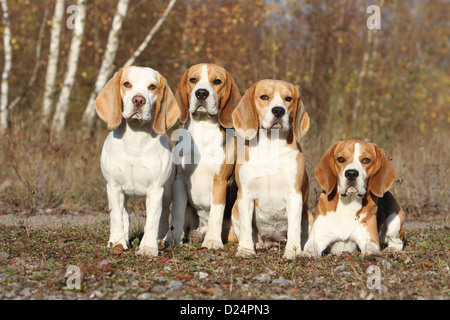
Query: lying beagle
(270, 169)
(207, 95)
(136, 160)
(356, 208)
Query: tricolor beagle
(270, 169)
(207, 94)
(356, 208)
(136, 160)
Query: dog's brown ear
(228, 102)
(384, 175)
(109, 103)
(245, 117)
(301, 117)
(325, 172)
(182, 97)
(167, 111)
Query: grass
(33, 265)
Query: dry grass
(38, 173)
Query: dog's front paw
(291, 254)
(371, 249)
(148, 251)
(212, 244)
(307, 255)
(170, 241)
(245, 252)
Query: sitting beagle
(270, 169)
(356, 208)
(207, 94)
(136, 160)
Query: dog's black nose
(278, 111)
(138, 101)
(351, 174)
(202, 94)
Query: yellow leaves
(422, 127)
(419, 95)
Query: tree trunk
(53, 57)
(150, 35)
(59, 118)
(107, 62)
(6, 68)
(37, 63)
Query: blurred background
(390, 86)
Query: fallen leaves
(184, 276)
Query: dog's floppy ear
(167, 111)
(228, 102)
(109, 103)
(325, 172)
(245, 117)
(301, 117)
(384, 175)
(182, 97)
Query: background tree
(59, 118)
(52, 65)
(4, 88)
(108, 60)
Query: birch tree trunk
(37, 63)
(150, 35)
(53, 58)
(59, 118)
(7, 67)
(107, 62)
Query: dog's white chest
(136, 167)
(270, 180)
(202, 161)
(270, 173)
(343, 222)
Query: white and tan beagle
(207, 94)
(356, 208)
(270, 169)
(136, 160)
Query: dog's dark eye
(217, 81)
(152, 87)
(288, 99)
(264, 97)
(366, 161)
(127, 84)
(193, 80)
(341, 159)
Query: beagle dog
(270, 169)
(356, 208)
(136, 160)
(207, 94)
